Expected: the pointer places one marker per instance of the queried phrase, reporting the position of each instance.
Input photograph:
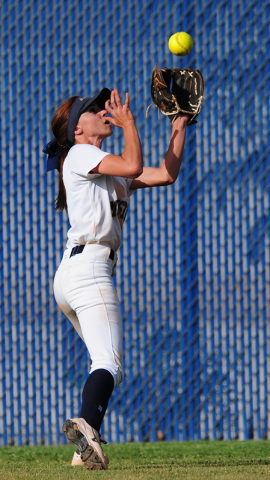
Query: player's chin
(109, 129)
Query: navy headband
(80, 105)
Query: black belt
(79, 249)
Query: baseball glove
(178, 91)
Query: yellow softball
(180, 44)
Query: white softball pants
(84, 291)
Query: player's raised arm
(178, 93)
(168, 171)
(130, 163)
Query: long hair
(59, 128)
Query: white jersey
(97, 204)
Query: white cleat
(88, 441)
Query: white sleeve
(83, 158)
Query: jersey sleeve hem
(83, 158)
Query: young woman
(95, 188)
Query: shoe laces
(99, 439)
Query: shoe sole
(91, 459)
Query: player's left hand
(178, 91)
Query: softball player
(95, 188)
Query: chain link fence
(193, 274)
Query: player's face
(94, 123)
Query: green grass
(229, 460)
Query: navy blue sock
(95, 397)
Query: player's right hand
(121, 115)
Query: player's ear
(78, 130)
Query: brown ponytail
(59, 128)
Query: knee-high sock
(95, 397)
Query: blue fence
(194, 268)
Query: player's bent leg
(98, 310)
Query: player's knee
(115, 370)
(118, 377)
(115, 366)
(117, 373)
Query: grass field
(233, 460)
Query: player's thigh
(99, 314)
(86, 287)
(101, 324)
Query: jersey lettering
(119, 209)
